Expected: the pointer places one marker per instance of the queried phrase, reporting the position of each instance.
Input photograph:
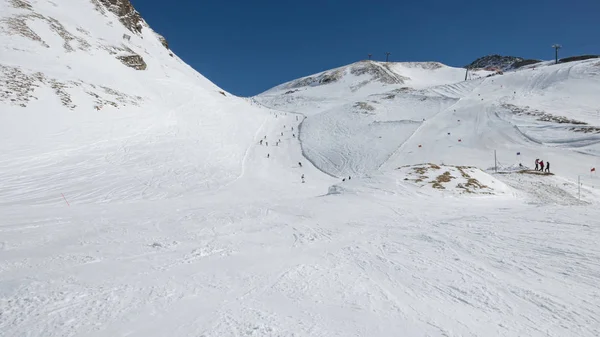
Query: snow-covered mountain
(138, 198)
(358, 123)
(91, 77)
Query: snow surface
(165, 215)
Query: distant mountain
(372, 75)
(501, 62)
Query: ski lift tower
(556, 48)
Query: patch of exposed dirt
(445, 177)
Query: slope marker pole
(579, 186)
(65, 199)
(495, 163)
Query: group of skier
(266, 143)
(539, 166)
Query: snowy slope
(534, 111)
(72, 105)
(143, 201)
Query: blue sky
(249, 46)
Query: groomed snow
(167, 216)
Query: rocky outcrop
(501, 62)
(578, 58)
(163, 41)
(126, 13)
(17, 25)
(133, 61)
(21, 4)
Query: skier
(294, 135)
(267, 143)
(344, 179)
(300, 164)
(548, 167)
(349, 177)
(292, 128)
(296, 117)
(268, 155)
(265, 137)
(261, 142)
(537, 164)
(541, 165)
(282, 133)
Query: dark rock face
(163, 41)
(578, 58)
(128, 16)
(502, 62)
(133, 61)
(523, 63)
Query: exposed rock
(17, 26)
(126, 13)
(21, 4)
(59, 29)
(364, 106)
(377, 73)
(540, 115)
(501, 62)
(59, 90)
(163, 41)
(523, 63)
(578, 58)
(121, 97)
(17, 87)
(133, 61)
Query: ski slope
(460, 123)
(148, 202)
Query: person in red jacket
(542, 165)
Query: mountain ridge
(503, 63)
